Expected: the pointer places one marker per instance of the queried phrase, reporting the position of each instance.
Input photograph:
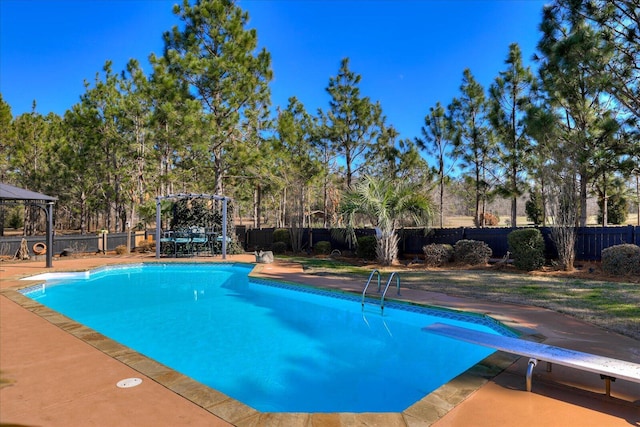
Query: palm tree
(388, 204)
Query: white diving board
(608, 368)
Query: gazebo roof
(11, 193)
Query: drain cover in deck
(129, 382)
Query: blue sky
(410, 53)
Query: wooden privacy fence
(263, 238)
(75, 242)
(590, 241)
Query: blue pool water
(275, 347)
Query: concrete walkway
(57, 373)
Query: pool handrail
(384, 293)
(375, 271)
(397, 276)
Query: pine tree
(78, 154)
(437, 139)
(474, 143)
(613, 206)
(215, 56)
(31, 157)
(300, 162)
(6, 143)
(534, 207)
(353, 122)
(617, 23)
(103, 129)
(542, 126)
(175, 118)
(510, 100)
(6, 138)
(136, 109)
(574, 57)
(393, 158)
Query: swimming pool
(273, 346)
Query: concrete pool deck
(55, 372)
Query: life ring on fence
(39, 248)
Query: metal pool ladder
(386, 288)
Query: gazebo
(14, 195)
(216, 197)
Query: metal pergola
(10, 195)
(180, 196)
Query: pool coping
(426, 411)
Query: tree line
(202, 122)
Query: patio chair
(215, 246)
(182, 240)
(198, 240)
(213, 243)
(167, 243)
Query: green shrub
(367, 247)
(472, 252)
(16, 219)
(437, 254)
(322, 248)
(533, 207)
(282, 235)
(527, 248)
(279, 248)
(621, 260)
(121, 249)
(617, 209)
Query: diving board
(608, 368)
